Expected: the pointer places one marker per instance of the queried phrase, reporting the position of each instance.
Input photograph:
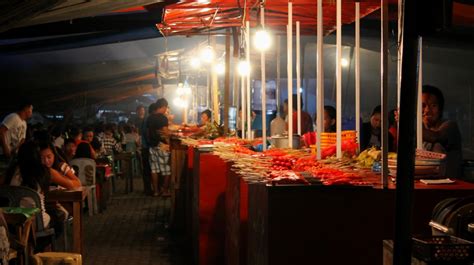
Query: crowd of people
(40, 157)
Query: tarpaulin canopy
(191, 17)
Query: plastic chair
(13, 195)
(86, 170)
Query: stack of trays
(424, 167)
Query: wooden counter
(208, 207)
(332, 224)
(72, 201)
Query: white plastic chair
(86, 170)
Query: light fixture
(195, 63)
(219, 68)
(207, 54)
(244, 68)
(180, 90)
(344, 62)
(301, 90)
(262, 39)
(180, 102)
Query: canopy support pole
(406, 142)
(338, 79)
(249, 95)
(298, 78)
(419, 111)
(320, 79)
(263, 86)
(357, 71)
(278, 65)
(227, 82)
(290, 73)
(384, 90)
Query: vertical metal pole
(249, 94)
(298, 78)
(263, 86)
(243, 107)
(320, 79)
(185, 114)
(419, 114)
(278, 88)
(227, 82)
(406, 142)
(208, 89)
(357, 70)
(384, 90)
(399, 51)
(290, 73)
(339, 79)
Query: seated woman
(329, 122)
(441, 135)
(207, 128)
(51, 160)
(371, 132)
(29, 171)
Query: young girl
(29, 171)
(61, 173)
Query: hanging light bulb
(207, 54)
(244, 68)
(180, 89)
(195, 63)
(262, 40)
(344, 62)
(186, 89)
(219, 68)
(180, 102)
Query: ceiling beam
(16, 12)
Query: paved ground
(131, 231)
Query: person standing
(13, 129)
(158, 134)
(139, 117)
(145, 152)
(13, 133)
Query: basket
(443, 249)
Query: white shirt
(16, 131)
(59, 142)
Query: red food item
(243, 150)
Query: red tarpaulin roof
(191, 17)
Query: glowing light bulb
(187, 90)
(179, 102)
(207, 54)
(244, 68)
(344, 62)
(195, 63)
(219, 68)
(262, 40)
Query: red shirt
(306, 123)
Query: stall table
(208, 207)
(297, 224)
(72, 202)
